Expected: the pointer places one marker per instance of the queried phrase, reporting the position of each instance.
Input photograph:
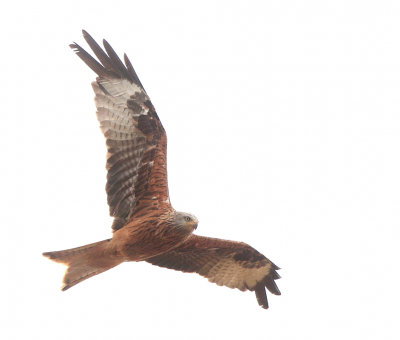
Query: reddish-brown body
(145, 226)
(148, 236)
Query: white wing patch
(120, 89)
(126, 144)
(231, 274)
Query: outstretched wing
(226, 263)
(135, 138)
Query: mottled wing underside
(226, 263)
(135, 138)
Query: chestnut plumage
(145, 226)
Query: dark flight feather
(94, 65)
(116, 61)
(132, 72)
(101, 55)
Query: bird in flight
(146, 227)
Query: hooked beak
(195, 226)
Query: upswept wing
(226, 263)
(135, 138)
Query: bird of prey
(146, 227)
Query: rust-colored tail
(84, 262)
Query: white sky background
(283, 125)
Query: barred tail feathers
(84, 262)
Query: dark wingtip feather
(116, 61)
(261, 296)
(274, 275)
(132, 72)
(65, 287)
(95, 66)
(101, 55)
(111, 65)
(48, 255)
(274, 266)
(271, 286)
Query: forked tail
(84, 262)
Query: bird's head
(186, 221)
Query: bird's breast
(136, 242)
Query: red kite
(145, 226)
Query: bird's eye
(187, 219)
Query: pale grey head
(185, 220)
